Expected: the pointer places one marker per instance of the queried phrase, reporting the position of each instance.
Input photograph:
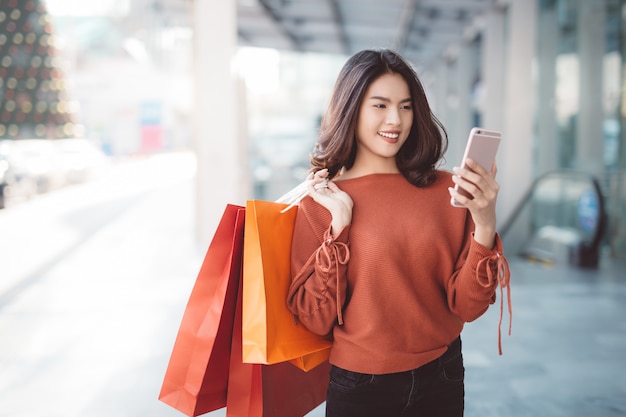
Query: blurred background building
(244, 84)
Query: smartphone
(482, 146)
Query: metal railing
(562, 217)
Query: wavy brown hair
(336, 145)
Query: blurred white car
(39, 156)
(79, 159)
(55, 163)
(15, 179)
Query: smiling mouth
(389, 135)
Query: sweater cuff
(481, 257)
(478, 252)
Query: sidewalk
(91, 333)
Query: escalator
(561, 219)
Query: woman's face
(384, 121)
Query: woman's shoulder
(443, 177)
(440, 179)
(442, 173)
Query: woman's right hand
(329, 195)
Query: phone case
(482, 146)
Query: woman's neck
(360, 170)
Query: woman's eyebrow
(387, 100)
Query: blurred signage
(150, 119)
(588, 212)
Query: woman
(380, 258)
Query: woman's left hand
(325, 192)
(483, 188)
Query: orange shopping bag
(279, 390)
(196, 379)
(270, 333)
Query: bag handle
(296, 194)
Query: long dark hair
(336, 144)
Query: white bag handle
(296, 194)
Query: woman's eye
(406, 107)
(380, 106)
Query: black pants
(433, 390)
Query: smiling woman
(379, 241)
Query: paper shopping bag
(196, 379)
(270, 333)
(279, 390)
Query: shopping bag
(196, 379)
(270, 333)
(279, 390)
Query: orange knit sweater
(397, 285)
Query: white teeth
(389, 135)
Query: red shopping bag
(278, 390)
(196, 379)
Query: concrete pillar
(547, 144)
(219, 149)
(452, 107)
(456, 77)
(465, 72)
(515, 159)
(492, 70)
(591, 48)
(439, 90)
(436, 89)
(493, 74)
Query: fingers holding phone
(478, 159)
(474, 186)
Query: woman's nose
(393, 117)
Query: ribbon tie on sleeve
(322, 259)
(324, 256)
(498, 265)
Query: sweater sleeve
(318, 269)
(479, 271)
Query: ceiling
(424, 31)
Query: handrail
(591, 245)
